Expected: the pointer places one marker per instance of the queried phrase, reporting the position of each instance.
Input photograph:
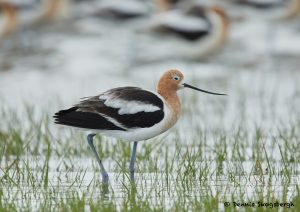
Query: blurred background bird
(193, 31)
(22, 15)
(206, 27)
(120, 10)
(271, 10)
(8, 19)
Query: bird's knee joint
(90, 138)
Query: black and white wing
(187, 26)
(121, 108)
(121, 10)
(266, 4)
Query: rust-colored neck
(224, 23)
(167, 87)
(168, 92)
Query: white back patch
(127, 107)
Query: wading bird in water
(129, 113)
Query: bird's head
(172, 81)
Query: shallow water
(155, 187)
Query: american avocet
(206, 29)
(261, 4)
(129, 113)
(121, 10)
(22, 15)
(276, 9)
(8, 19)
(195, 23)
(31, 14)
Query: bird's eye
(176, 78)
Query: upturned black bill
(198, 89)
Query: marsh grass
(45, 167)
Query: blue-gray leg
(132, 161)
(103, 171)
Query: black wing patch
(92, 113)
(87, 120)
(117, 14)
(188, 35)
(262, 4)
